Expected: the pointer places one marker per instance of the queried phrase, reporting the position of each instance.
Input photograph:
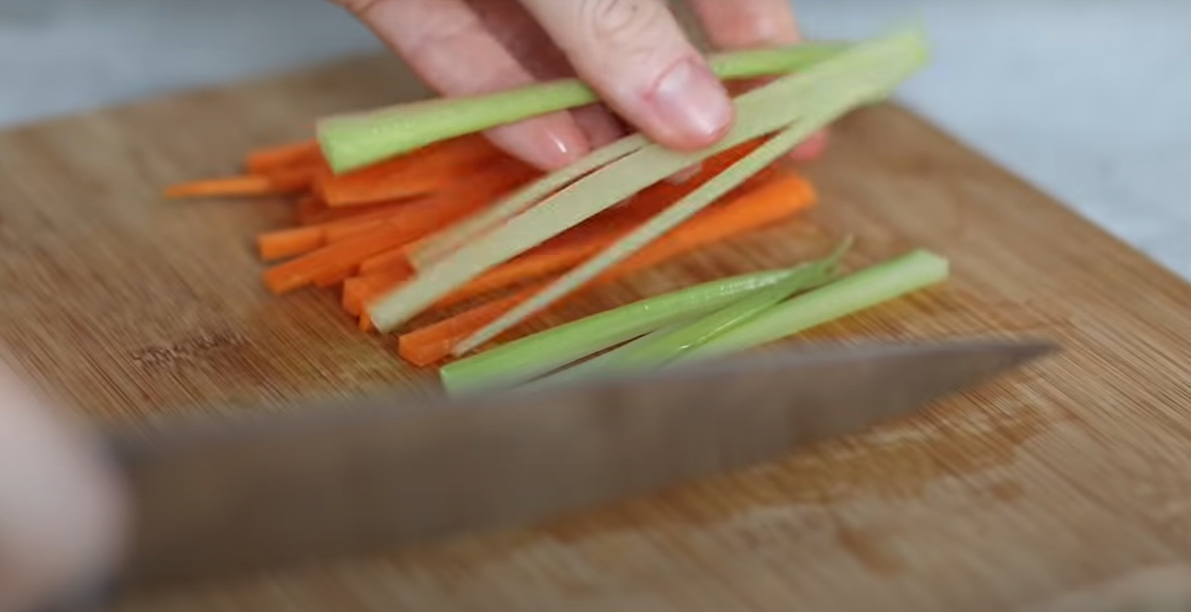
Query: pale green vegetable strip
(568, 207)
(537, 354)
(663, 222)
(666, 344)
(658, 348)
(888, 280)
(839, 93)
(857, 75)
(460, 234)
(354, 140)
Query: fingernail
(543, 146)
(693, 102)
(550, 150)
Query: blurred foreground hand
(61, 508)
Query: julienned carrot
(532, 264)
(267, 159)
(309, 209)
(417, 173)
(544, 260)
(282, 181)
(784, 195)
(444, 243)
(383, 272)
(319, 214)
(415, 220)
(563, 254)
(779, 198)
(279, 244)
(395, 258)
(331, 279)
(434, 342)
(357, 291)
(341, 224)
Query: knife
(213, 497)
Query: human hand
(632, 52)
(61, 512)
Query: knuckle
(628, 27)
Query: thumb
(637, 57)
(61, 515)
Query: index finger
(447, 44)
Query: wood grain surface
(1066, 474)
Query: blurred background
(1087, 99)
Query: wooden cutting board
(1072, 471)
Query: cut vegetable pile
(412, 215)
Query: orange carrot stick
(779, 198)
(535, 263)
(314, 211)
(289, 180)
(532, 264)
(268, 159)
(421, 172)
(359, 290)
(395, 258)
(309, 209)
(434, 342)
(384, 272)
(226, 186)
(326, 281)
(279, 244)
(575, 243)
(284, 243)
(415, 220)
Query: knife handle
(1165, 588)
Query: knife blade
(214, 498)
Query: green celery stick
(659, 348)
(537, 354)
(858, 291)
(355, 140)
(666, 344)
(510, 206)
(641, 237)
(864, 73)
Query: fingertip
(548, 142)
(688, 106)
(639, 59)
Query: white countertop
(1088, 100)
